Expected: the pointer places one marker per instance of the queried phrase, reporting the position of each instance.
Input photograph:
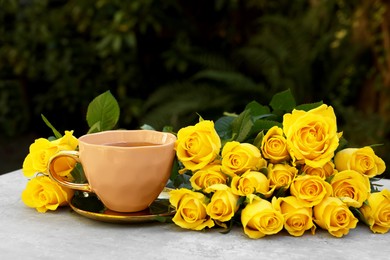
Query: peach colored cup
(126, 179)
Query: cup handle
(54, 176)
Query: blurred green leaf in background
(168, 61)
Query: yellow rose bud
(190, 209)
(351, 187)
(197, 146)
(274, 145)
(311, 136)
(281, 175)
(237, 158)
(209, 175)
(324, 172)
(223, 203)
(377, 211)
(310, 190)
(363, 160)
(44, 194)
(334, 216)
(259, 219)
(297, 218)
(251, 182)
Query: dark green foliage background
(168, 61)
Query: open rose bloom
(41, 192)
(292, 177)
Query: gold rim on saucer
(157, 211)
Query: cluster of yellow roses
(41, 192)
(293, 180)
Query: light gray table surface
(64, 234)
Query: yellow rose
(42, 150)
(324, 172)
(237, 158)
(297, 218)
(251, 182)
(63, 167)
(377, 211)
(281, 175)
(334, 216)
(351, 187)
(311, 136)
(67, 142)
(190, 209)
(259, 218)
(40, 153)
(207, 176)
(197, 146)
(274, 145)
(223, 203)
(310, 190)
(44, 194)
(363, 160)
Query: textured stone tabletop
(64, 234)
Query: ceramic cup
(126, 169)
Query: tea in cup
(126, 169)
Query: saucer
(159, 210)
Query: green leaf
(241, 126)
(258, 139)
(257, 110)
(103, 113)
(163, 219)
(309, 106)
(95, 128)
(263, 124)
(358, 214)
(223, 126)
(283, 101)
(78, 174)
(174, 170)
(55, 132)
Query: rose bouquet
(266, 169)
(277, 167)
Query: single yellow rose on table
(334, 216)
(377, 211)
(197, 146)
(190, 209)
(310, 190)
(297, 218)
(251, 182)
(259, 218)
(42, 150)
(312, 136)
(274, 146)
(363, 160)
(351, 187)
(237, 158)
(281, 175)
(223, 204)
(324, 172)
(44, 194)
(207, 176)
